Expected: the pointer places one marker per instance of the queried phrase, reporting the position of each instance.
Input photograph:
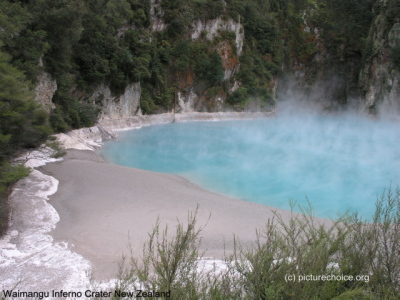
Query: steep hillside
(117, 58)
(380, 75)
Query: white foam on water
(211, 265)
(29, 258)
(37, 158)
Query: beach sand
(103, 208)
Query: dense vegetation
(353, 259)
(83, 44)
(22, 122)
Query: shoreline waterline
(29, 256)
(296, 155)
(103, 207)
(117, 206)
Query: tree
(22, 124)
(210, 69)
(13, 18)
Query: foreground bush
(9, 174)
(302, 258)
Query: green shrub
(167, 264)
(9, 174)
(88, 114)
(175, 29)
(56, 146)
(57, 121)
(165, 99)
(146, 104)
(238, 96)
(70, 112)
(210, 69)
(298, 246)
(22, 123)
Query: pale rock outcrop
(230, 59)
(85, 138)
(234, 87)
(121, 31)
(228, 73)
(213, 27)
(106, 129)
(115, 107)
(192, 102)
(188, 101)
(111, 125)
(379, 80)
(44, 91)
(37, 157)
(156, 16)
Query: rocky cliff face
(44, 91)
(380, 78)
(323, 67)
(344, 70)
(156, 16)
(188, 99)
(320, 63)
(212, 29)
(118, 107)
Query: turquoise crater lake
(338, 162)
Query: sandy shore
(98, 209)
(30, 260)
(104, 207)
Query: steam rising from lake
(338, 161)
